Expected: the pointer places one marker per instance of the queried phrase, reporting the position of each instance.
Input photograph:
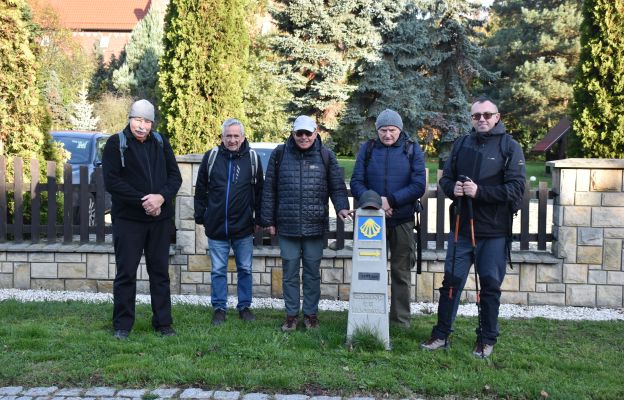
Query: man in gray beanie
(142, 176)
(394, 166)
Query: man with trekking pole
(485, 178)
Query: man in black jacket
(227, 192)
(486, 172)
(302, 174)
(143, 178)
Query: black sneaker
(311, 321)
(121, 334)
(246, 315)
(166, 331)
(218, 317)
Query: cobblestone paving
(109, 393)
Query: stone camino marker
(368, 296)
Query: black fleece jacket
(482, 159)
(150, 169)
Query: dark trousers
(402, 259)
(490, 259)
(131, 239)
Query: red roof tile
(99, 15)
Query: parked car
(264, 150)
(85, 149)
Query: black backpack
(408, 150)
(123, 144)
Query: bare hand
(345, 215)
(152, 202)
(385, 205)
(271, 230)
(154, 213)
(470, 189)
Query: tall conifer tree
(598, 109)
(202, 72)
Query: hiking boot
(482, 350)
(121, 334)
(218, 317)
(311, 321)
(246, 315)
(166, 331)
(434, 344)
(290, 324)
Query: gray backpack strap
(123, 145)
(253, 157)
(211, 160)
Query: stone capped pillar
(588, 229)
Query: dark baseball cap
(370, 199)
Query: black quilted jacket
(295, 199)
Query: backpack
(507, 151)
(123, 145)
(408, 150)
(253, 156)
(279, 156)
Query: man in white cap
(142, 176)
(301, 175)
(394, 166)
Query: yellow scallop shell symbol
(370, 228)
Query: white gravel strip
(506, 310)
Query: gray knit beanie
(142, 109)
(389, 117)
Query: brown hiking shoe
(482, 350)
(311, 321)
(290, 324)
(435, 344)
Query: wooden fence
(24, 222)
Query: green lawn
(533, 168)
(69, 344)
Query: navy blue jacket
(295, 200)
(226, 205)
(149, 168)
(390, 174)
(483, 161)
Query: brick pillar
(588, 230)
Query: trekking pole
(474, 254)
(458, 206)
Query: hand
(271, 230)
(154, 213)
(470, 189)
(385, 205)
(257, 228)
(458, 190)
(345, 215)
(151, 202)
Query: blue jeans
(490, 258)
(219, 253)
(294, 250)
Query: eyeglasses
(486, 115)
(302, 132)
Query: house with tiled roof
(104, 25)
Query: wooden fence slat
(524, 216)
(541, 215)
(52, 190)
(441, 212)
(18, 197)
(84, 204)
(100, 205)
(424, 214)
(35, 202)
(68, 203)
(3, 200)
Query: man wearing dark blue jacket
(143, 178)
(394, 167)
(227, 197)
(485, 173)
(301, 176)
